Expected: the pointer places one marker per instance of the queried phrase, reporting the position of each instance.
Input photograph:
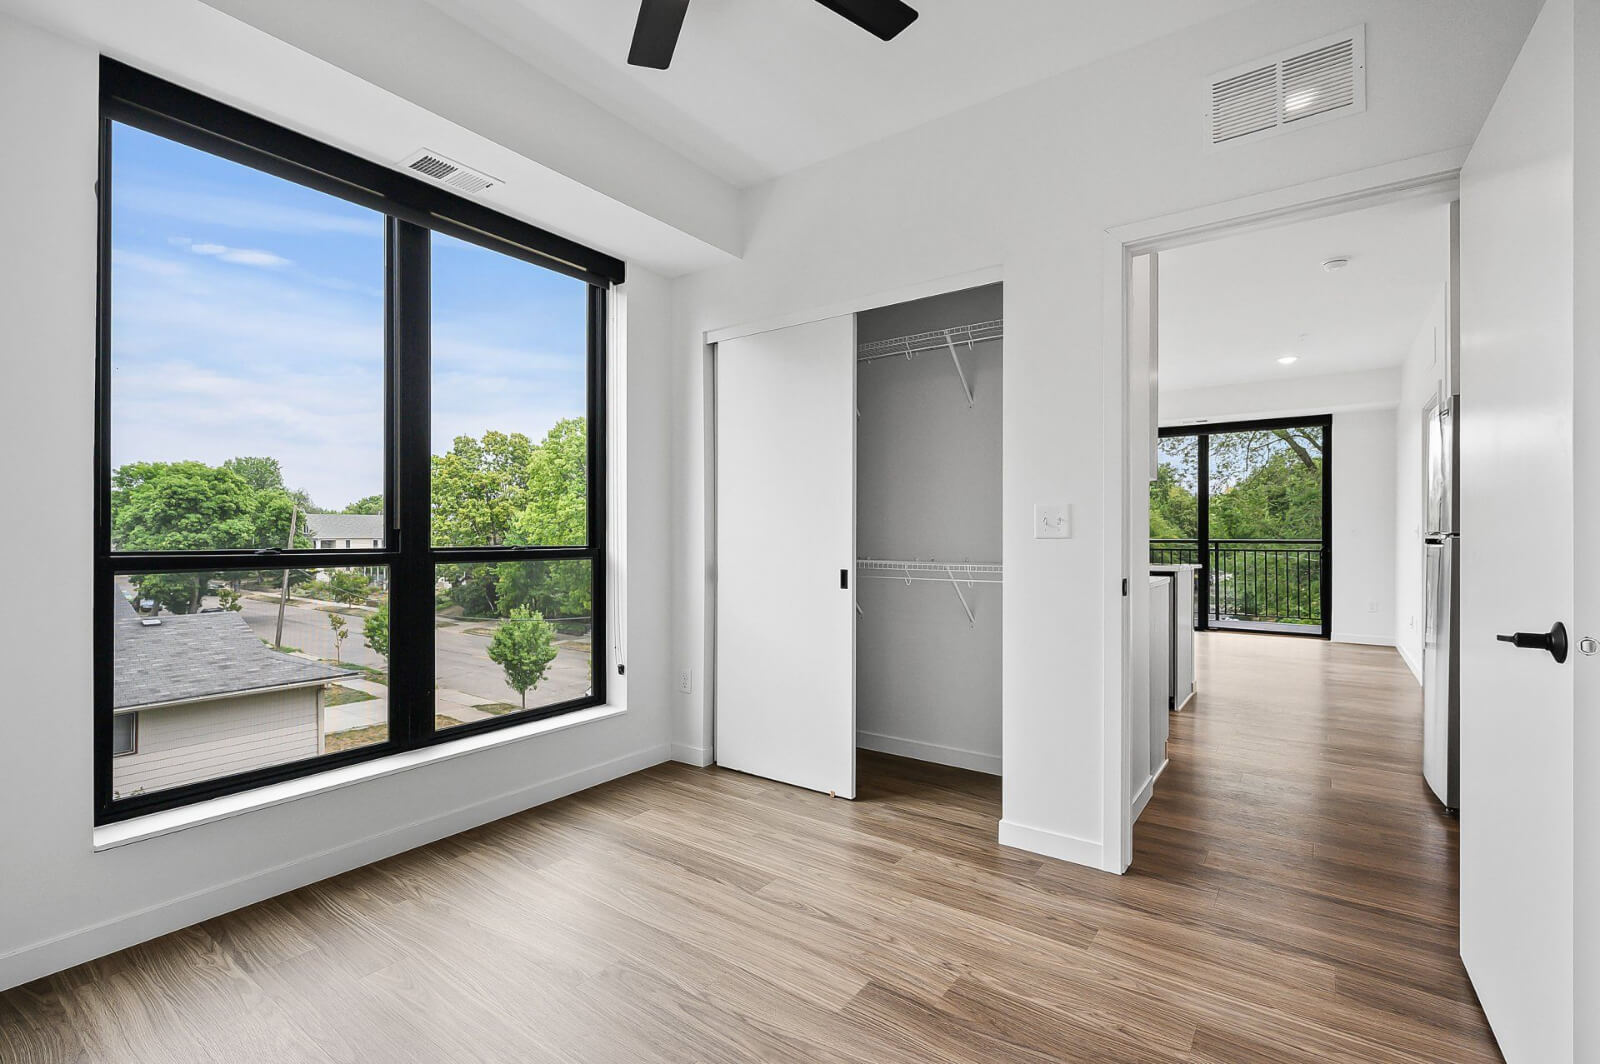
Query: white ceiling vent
(1298, 87)
(448, 172)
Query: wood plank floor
(1292, 899)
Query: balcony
(1264, 585)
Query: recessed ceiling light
(1335, 265)
(1288, 360)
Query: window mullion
(411, 657)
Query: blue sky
(247, 319)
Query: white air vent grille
(448, 172)
(1298, 87)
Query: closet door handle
(844, 579)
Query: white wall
(928, 486)
(1030, 182)
(1290, 395)
(1364, 591)
(1420, 380)
(64, 902)
(1363, 527)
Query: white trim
(138, 829)
(937, 753)
(1051, 844)
(1431, 176)
(1148, 791)
(698, 756)
(1411, 663)
(1363, 640)
(1116, 568)
(936, 287)
(96, 940)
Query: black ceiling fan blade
(655, 35)
(883, 19)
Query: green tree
(523, 647)
(349, 587)
(555, 509)
(341, 631)
(372, 504)
(228, 599)
(478, 489)
(555, 514)
(161, 506)
(375, 632)
(266, 474)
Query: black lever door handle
(1555, 641)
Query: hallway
(1295, 812)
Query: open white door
(785, 659)
(1517, 562)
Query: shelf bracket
(965, 387)
(956, 585)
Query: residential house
(197, 696)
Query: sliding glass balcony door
(1249, 503)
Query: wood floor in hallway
(1292, 899)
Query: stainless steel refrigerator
(1441, 637)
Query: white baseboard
(1051, 844)
(85, 944)
(1142, 799)
(1364, 640)
(1411, 663)
(698, 756)
(953, 756)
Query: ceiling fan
(660, 21)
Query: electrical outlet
(1372, 607)
(686, 681)
(1052, 521)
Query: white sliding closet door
(785, 659)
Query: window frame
(412, 210)
(1203, 431)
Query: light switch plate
(1052, 520)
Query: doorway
(1250, 504)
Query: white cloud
(241, 256)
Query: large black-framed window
(231, 634)
(1251, 504)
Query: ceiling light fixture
(1288, 360)
(1335, 265)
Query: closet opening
(856, 562)
(929, 377)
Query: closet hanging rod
(938, 340)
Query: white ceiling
(1231, 307)
(760, 88)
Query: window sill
(111, 836)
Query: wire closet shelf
(915, 569)
(941, 340)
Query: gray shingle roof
(188, 657)
(344, 526)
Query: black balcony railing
(1269, 583)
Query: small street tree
(523, 647)
(349, 587)
(341, 631)
(375, 632)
